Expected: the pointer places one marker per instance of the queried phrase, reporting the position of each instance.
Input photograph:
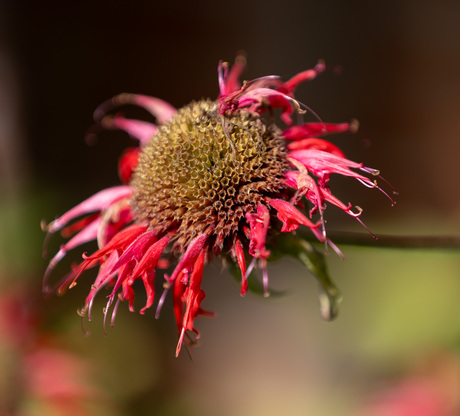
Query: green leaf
(315, 262)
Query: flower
(208, 180)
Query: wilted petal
(97, 202)
(89, 233)
(292, 218)
(258, 224)
(304, 76)
(162, 110)
(193, 297)
(316, 144)
(308, 130)
(140, 130)
(238, 255)
(187, 262)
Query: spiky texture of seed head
(203, 172)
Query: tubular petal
(292, 218)
(140, 130)
(160, 109)
(97, 202)
(188, 260)
(304, 76)
(258, 224)
(316, 144)
(193, 296)
(89, 233)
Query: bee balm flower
(212, 179)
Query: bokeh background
(396, 341)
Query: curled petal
(88, 233)
(97, 202)
(119, 242)
(104, 276)
(146, 269)
(258, 224)
(229, 81)
(238, 255)
(254, 99)
(316, 144)
(151, 257)
(304, 76)
(323, 164)
(160, 109)
(140, 130)
(292, 218)
(193, 297)
(136, 249)
(188, 260)
(308, 130)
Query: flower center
(203, 172)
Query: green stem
(392, 241)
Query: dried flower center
(204, 171)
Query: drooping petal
(316, 144)
(322, 164)
(160, 109)
(146, 269)
(114, 218)
(292, 218)
(254, 99)
(303, 76)
(88, 233)
(187, 262)
(308, 130)
(136, 249)
(104, 276)
(140, 130)
(193, 297)
(238, 255)
(151, 257)
(97, 202)
(73, 228)
(258, 223)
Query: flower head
(212, 179)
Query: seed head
(203, 171)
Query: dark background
(401, 79)
(401, 62)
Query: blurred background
(396, 342)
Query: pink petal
(104, 276)
(88, 233)
(317, 144)
(136, 249)
(232, 82)
(97, 202)
(323, 163)
(258, 224)
(308, 130)
(160, 109)
(292, 218)
(140, 130)
(193, 298)
(188, 260)
(151, 257)
(304, 76)
(238, 253)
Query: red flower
(207, 180)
